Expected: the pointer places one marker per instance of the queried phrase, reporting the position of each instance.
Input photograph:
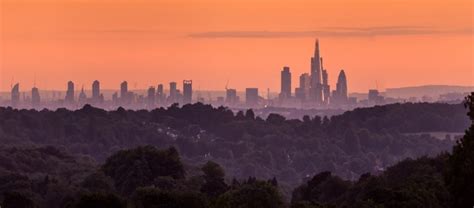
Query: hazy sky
(247, 42)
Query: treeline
(245, 145)
(407, 117)
(147, 176)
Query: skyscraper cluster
(314, 88)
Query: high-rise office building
(123, 89)
(340, 94)
(187, 91)
(35, 97)
(70, 93)
(173, 97)
(15, 95)
(151, 97)
(251, 97)
(302, 92)
(325, 85)
(231, 96)
(96, 91)
(160, 93)
(316, 90)
(374, 97)
(125, 95)
(82, 97)
(285, 91)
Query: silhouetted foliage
(141, 166)
(99, 200)
(250, 194)
(460, 176)
(96, 158)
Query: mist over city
(236, 104)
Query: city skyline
(152, 46)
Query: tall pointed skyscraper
(316, 92)
(316, 65)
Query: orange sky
(391, 42)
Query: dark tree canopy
(460, 177)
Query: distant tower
(340, 94)
(124, 89)
(151, 97)
(173, 97)
(316, 92)
(96, 91)
(187, 91)
(325, 86)
(124, 94)
(82, 97)
(251, 97)
(15, 93)
(35, 97)
(70, 92)
(160, 93)
(302, 91)
(285, 91)
(231, 96)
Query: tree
(249, 114)
(139, 167)
(214, 180)
(252, 194)
(460, 176)
(99, 200)
(152, 197)
(17, 200)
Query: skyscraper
(125, 96)
(160, 94)
(15, 93)
(35, 97)
(173, 92)
(231, 96)
(96, 91)
(187, 91)
(82, 97)
(251, 97)
(285, 91)
(304, 87)
(316, 91)
(70, 93)
(151, 97)
(340, 94)
(325, 86)
(123, 89)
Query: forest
(200, 156)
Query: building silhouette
(15, 95)
(151, 97)
(231, 96)
(35, 97)
(173, 97)
(302, 92)
(285, 91)
(160, 93)
(340, 94)
(325, 85)
(125, 95)
(82, 97)
(374, 97)
(251, 97)
(316, 90)
(187, 91)
(70, 93)
(96, 98)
